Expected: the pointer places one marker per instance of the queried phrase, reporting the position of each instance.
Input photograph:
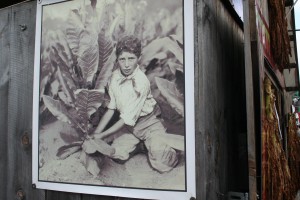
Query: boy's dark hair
(129, 44)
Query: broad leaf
(67, 72)
(60, 112)
(130, 18)
(87, 103)
(70, 137)
(105, 49)
(157, 46)
(60, 45)
(171, 94)
(60, 56)
(174, 67)
(88, 55)
(92, 163)
(68, 97)
(47, 69)
(93, 145)
(67, 150)
(106, 72)
(43, 83)
(57, 109)
(178, 39)
(73, 31)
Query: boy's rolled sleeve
(112, 104)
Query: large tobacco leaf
(106, 72)
(166, 44)
(105, 49)
(57, 109)
(171, 94)
(92, 162)
(67, 150)
(74, 29)
(106, 61)
(276, 175)
(175, 67)
(61, 48)
(54, 52)
(84, 45)
(88, 55)
(60, 112)
(67, 96)
(87, 103)
(91, 146)
(70, 137)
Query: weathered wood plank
(250, 35)
(94, 197)
(210, 115)
(216, 69)
(218, 74)
(22, 35)
(4, 80)
(53, 195)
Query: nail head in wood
(192, 198)
(34, 186)
(20, 195)
(25, 140)
(23, 27)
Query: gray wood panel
(4, 81)
(53, 195)
(250, 35)
(93, 197)
(218, 73)
(219, 83)
(20, 103)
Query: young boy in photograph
(130, 94)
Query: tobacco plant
(77, 62)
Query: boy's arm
(104, 121)
(114, 128)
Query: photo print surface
(111, 94)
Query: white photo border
(189, 123)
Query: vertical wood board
(218, 70)
(22, 35)
(217, 63)
(4, 80)
(250, 35)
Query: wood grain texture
(53, 195)
(219, 102)
(220, 97)
(4, 84)
(93, 197)
(250, 35)
(20, 102)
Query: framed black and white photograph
(113, 104)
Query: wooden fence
(219, 96)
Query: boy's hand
(89, 137)
(98, 136)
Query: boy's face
(127, 62)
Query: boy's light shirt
(131, 95)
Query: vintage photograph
(112, 94)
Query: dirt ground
(135, 173)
